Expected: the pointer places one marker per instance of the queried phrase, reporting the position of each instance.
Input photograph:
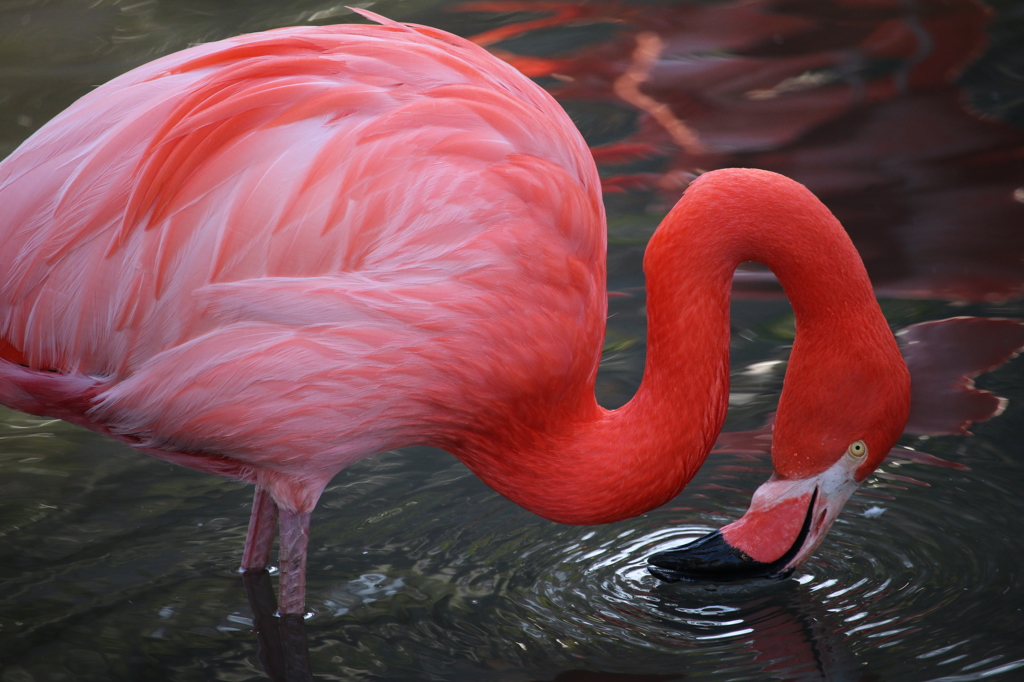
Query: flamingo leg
(262, 530)
(292, 558)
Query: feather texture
(261, 247)
(272, 256)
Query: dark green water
(115, 566)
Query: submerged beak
(787, 520)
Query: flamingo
(272, 256)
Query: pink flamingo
(275, 255)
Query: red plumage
(272, 256)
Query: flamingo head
(839, 415)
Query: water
(117, 566)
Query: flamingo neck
(599, 465)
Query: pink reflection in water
(854, 98)
(943, 357)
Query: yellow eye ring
(857, 450)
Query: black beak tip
(669, 576)
(712, 558)
(709, 558)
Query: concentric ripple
(905, 555)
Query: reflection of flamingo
(855, 98)
(273, 256)
(943, 357)
(754, 75)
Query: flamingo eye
(857, 450)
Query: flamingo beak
(787, 520)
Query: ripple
(517, 589)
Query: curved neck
(609, 465)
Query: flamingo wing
(274, 241)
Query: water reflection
(283, 647)
(790, 634)
(943, 357)
(857, 99)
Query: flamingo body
(299, 248)
(272, 256)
